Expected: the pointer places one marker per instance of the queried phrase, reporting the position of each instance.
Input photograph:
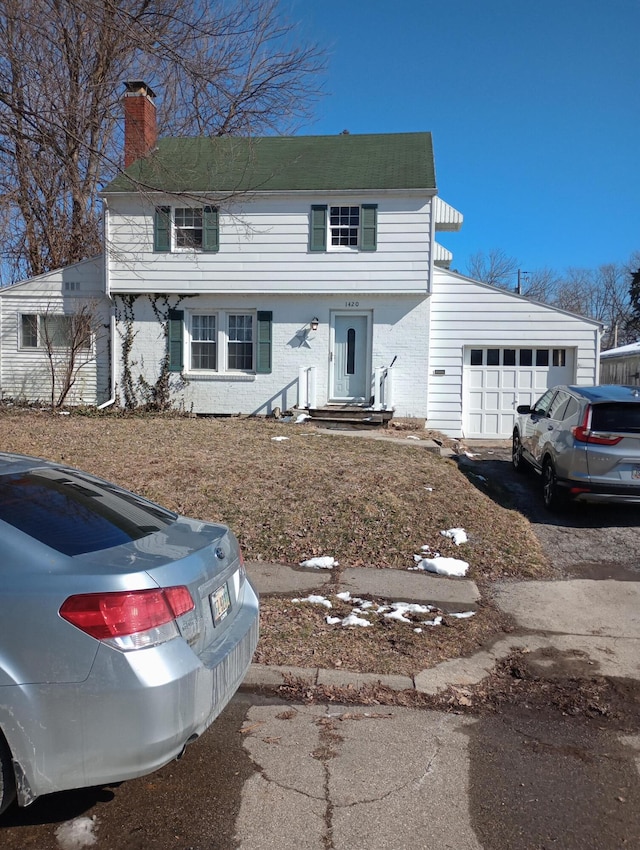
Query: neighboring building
(246, 275)
(621, 365)
(44, 308)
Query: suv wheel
(554, 498)
(519, 463)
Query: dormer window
(186, 229)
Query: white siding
(264, 247)
(399, 328)
(467, 313)
(25, 373)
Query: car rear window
(74, 514)
(616, 417)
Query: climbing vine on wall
(140, 391)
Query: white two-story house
(244, 275)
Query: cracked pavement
(366, 777)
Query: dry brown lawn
(367, 503)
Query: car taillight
(583, 433)
(130, 619)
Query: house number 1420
(351, 303)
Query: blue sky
(534, 109)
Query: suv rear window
(616, 418)
(75, 514)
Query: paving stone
(450, 594)
(273, 676)
(346, 678)
(280, 578)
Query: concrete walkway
(579, 627)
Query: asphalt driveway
(585, 541)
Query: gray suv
(584, 442)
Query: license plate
(220, 603)
(635, 472)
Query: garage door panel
(492, 393)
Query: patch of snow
(397, 614)
(400, 609)
(418, 631)
(451, 567)
(333, 621)
(354, 620)
(458, 535)
(77, 833)
(435, 622)
(279, 439)
(463, 615)
(412, 437)
(315, 600)
(302, 417)
(430, 489)
(345, 596)
(324, 562)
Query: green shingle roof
(284, 163)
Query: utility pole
(519, 288)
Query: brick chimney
(140, 132)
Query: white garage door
(497, 380)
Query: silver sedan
(126, 629)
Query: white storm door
(350, 348)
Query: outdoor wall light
(314, 323)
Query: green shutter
(162, 229)
(318, 228)
(175, 341)
(263, 351)
(211, 230)
(369, 227)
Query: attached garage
(497, 380)
(491, 350)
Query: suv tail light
(583, 433)
(130, 619)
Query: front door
(350, 368)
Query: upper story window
(186, 229)
(344, 223)
(339, 227)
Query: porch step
(349, 416)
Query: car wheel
(554, 498)
(519, 463)
(7, 779)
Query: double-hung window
(186, 229)
(204, 342)
(221, 341)
(344, 225)
(351, 227)
(240, 342)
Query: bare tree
(224, 67)
(496, 268)
(70, 341)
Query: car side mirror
(523, 408)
